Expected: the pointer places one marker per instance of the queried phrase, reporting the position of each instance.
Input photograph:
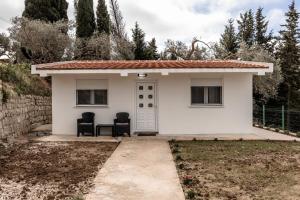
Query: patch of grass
(178, 158)
(226, 169)
(175, 150)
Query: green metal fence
(277, 117)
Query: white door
(146, 106)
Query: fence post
(282, 117)
(264, 115)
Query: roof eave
(125, 72)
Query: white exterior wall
(175, 114)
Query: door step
(146, 133)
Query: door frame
(155, 107)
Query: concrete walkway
(138, 170)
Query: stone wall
(20, 114)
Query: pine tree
(138, 37)
(85, 19)
(103, 21)
(246, 29)
(261, 28)
(151, 50)
(290, 54)
(229, 40)
(46, 10)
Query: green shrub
(298, 134)
(187, 180)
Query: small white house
(168, 97)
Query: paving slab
(74, 138)
(138, 170)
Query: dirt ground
(50, 170)
(239, 169)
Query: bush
(298, 134)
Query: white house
(168, 97)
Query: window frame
(92, 92)
(206, 95)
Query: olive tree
(264, 86)
(38, 41)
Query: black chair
(122, 124)
(86, 124)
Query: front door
(146, 106)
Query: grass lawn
(238, 169)
(50, 170)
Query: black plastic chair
(122, 124)
(86, 124)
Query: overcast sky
(175, 19)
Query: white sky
(174, 19)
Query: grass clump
(190, 194)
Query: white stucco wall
(175, 114)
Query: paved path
(138, 170)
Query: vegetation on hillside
(16, 79)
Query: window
(91, 92)
(206, 92)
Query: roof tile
(149, 64)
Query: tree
(138, 37)
(85, 18)
(246, 28)
(122, 47)
(264, 87)
(151, 50)
(175, 50)
(38, 41)
(4, 44)
(95, 48)
(103, 20)
(229, 40)
(261, 27)
(289, 55)
(46, 10)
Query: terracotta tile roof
(147, 64)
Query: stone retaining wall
(20, 114)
